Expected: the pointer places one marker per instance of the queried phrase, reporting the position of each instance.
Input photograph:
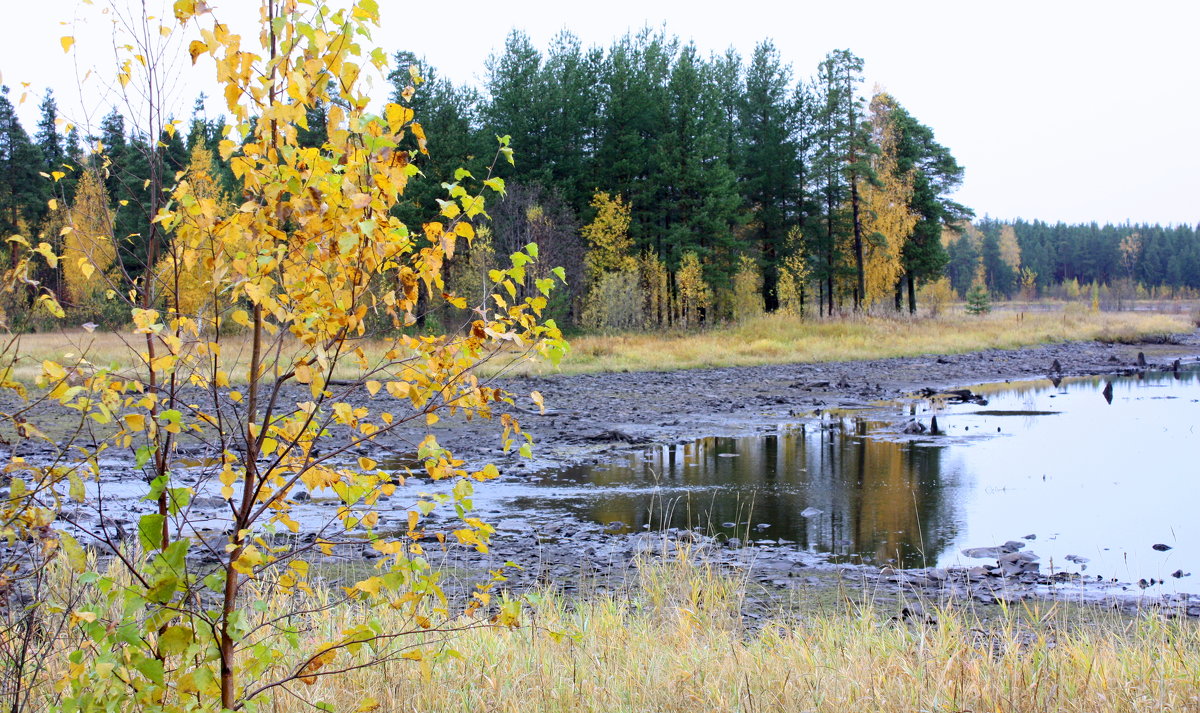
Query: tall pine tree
(769, 168)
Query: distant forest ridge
(674, 188)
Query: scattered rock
(990, 552)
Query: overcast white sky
(1058, 109)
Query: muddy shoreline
(599, 417)
(596, 418)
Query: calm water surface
(1088, 478)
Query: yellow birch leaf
(197, 48)
(66, 43)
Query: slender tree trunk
(860, 289)
(912, 294)
(832, 247)
(770, 293)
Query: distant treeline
(1034, 259)
(674, 188)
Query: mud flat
(598, 417)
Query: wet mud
(595, 418)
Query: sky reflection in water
(1087, 478)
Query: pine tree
(517, 105)
(979, 302)
(634, 80)
(831, 139)
(55, 150)
(23, 193)
(769, 167)
(449, 115)
(696, 187)
(937, 175)
(846, 68)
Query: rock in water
(810, 512)
(1161, 547)
(1107, 393)
(987, 552)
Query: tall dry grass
(771, 339)
(677, 641)
(777, 339)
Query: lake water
(1084, 477)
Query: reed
(676, 639)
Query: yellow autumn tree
(693, 296)
(614, 298)
(654, 281)
(295, 409)
(88, 251)
(184, 278)
(794, 273)
(747, 289)
(887, 221)
(608, 236)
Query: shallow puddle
(1093, 485)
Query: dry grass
(677, 641)
(782, 339)
(767, 340)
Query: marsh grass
(678, 639)
(776, 339)
(771, 339)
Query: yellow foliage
(793, 275)
(887, 221)
(615, 301)
(311, 250)
(654, 280)
(88, 249)
(608, 236)
(747, 290)
(1010, 249)
(185, 277)
(937, 295)
(693, 296)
